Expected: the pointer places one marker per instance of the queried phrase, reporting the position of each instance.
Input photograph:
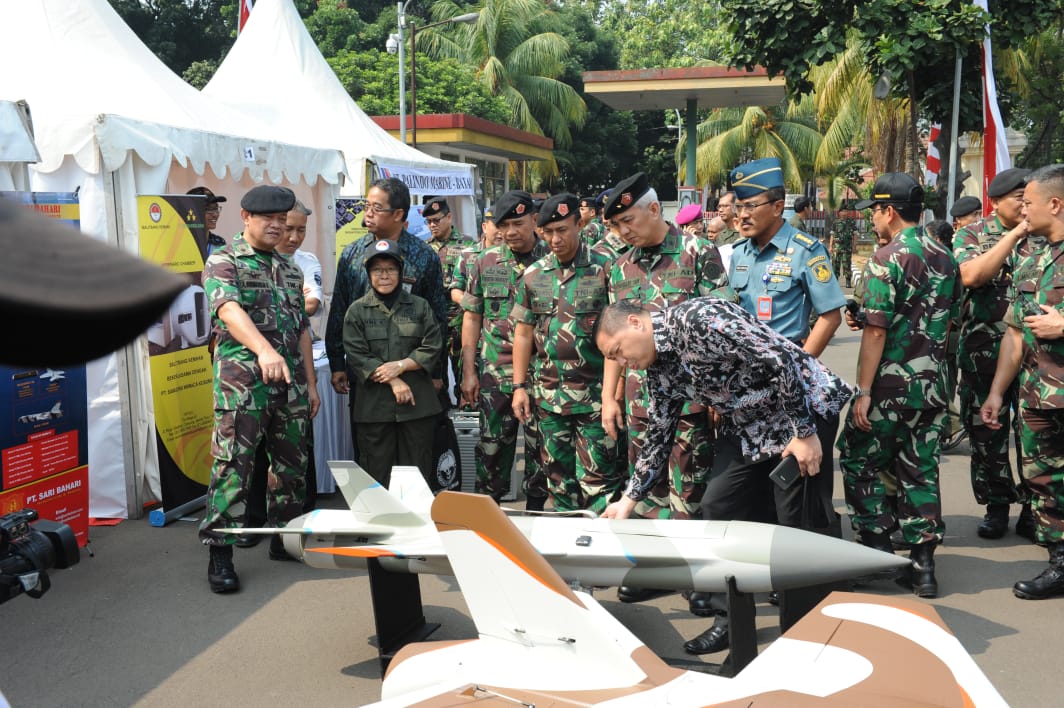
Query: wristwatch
(859, 392)
(523, 384)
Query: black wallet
(786, 472)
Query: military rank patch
(803, 239)
(822, 273)
(626, 199)
(818, 259)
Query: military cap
(383, 249)
(68, 297)
(894, 188)
(558, 207)
(436, 206)
(537, 204)
(626, 193)
(268, 199)
(512, 205)
(602, 198)
(591, 203)
(1006, 181)
(753, 178)
(965, 206)
(487, 213)
(801, 204)
(689, 213)
(212, 198)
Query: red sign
(63, 498)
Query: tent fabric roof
(97, 93)
(275, 54)
(16, 143)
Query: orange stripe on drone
(356, 552)
(516, 561)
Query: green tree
(666, 33)
(516, 59)
(181, 32)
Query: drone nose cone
(800, 559)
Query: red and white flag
(934, 161)
(245, 13)
(995, 145)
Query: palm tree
(516, 61)
(731, 136)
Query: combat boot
(880, 542)
(1025, 524)
(996, 521)
(535, 503)
(1049, 583)
(277, 550)
(220, 572)
(922, 570)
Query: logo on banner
(155, 212)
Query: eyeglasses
(749, 207)
(376, 208)
(384, 271)
(436, 221)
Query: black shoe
(1049, 583)
(247, 540)
(699, 604)
(535, 503)
(1025, 524)
(774, 598)
(220, 572)
(920, 576)
(277, 551)
(712, 640)
(627, 593)
(996, 521)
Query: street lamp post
(467, 18)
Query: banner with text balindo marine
(423, 180)
(173, 235)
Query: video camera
(856, 312)
(29, 548)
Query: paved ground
(136, 624)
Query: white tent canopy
(274, 53)
(112, 120)
(16, 146)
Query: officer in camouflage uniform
(264, 384)
(663, 267)
(986, 251)
(560, 296)
(841, 248)
(488, 301)
(1033, 346)
(899, 409)
(591, 226)
(726, 211)
(612, 245)
(449, 243)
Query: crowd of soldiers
(521, 308)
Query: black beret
(894, 188)
(965, 206)
(590, 203)
(625, 194)
(512, 205)
(558, 207)
(1006, 181)
(212, 198)
(436, 205)
(268, 199)
(71, 298)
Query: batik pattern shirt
(767, 389)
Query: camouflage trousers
(498, 445)
(992, 481)
(1042, 441)
(237, 435)
(902, 447)
(677, 494)
(453, 348)
(583, 465)
(842, 264)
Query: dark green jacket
(374, 335)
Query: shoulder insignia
(817, 259)
(822, 273)
(803, 239)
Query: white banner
(424, 180)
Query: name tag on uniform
(764, 308)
